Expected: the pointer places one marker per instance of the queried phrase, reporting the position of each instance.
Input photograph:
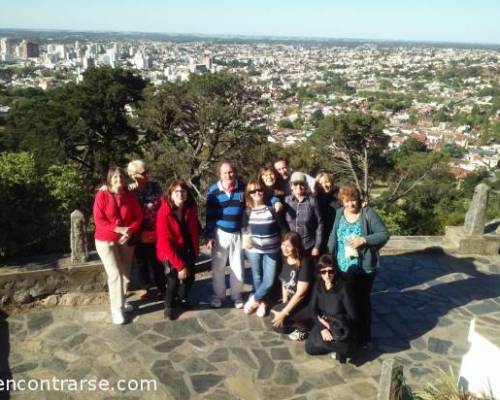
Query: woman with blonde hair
(326, 196)
(149, 194)
(261, 240)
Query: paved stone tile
(422, 307)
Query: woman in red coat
(177, 245)
(117, 216)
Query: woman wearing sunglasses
(261, 241)
(334, 314)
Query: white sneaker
(117, 318)
(216, 303)
(127, 307)
(297, 335)
(250, 306)
(333, 356)
(239, 304)
(261, 310)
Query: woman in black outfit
(334, 314)
(292, 315)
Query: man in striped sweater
(225, 207)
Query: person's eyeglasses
(299, 184)
(255, 191)
(145, 172)
(327, 271)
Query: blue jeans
(263, 272)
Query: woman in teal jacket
(357, 235)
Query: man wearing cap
(282, 167)
(302, 214)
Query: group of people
(312, 248)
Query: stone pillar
(78, 238)
(475, 219)
(391, 384)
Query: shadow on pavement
(402, 313)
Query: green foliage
(85, 123)
(446, 388)
(453, 151)
(356, 144)
(35, 205)
(285, 123)
(201, 121)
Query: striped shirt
(224, 210)
(264, 231)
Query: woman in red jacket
(177, 244)
(117, 216)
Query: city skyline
(387, 20)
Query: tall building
(29, 49)
(7, 46)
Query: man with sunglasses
(302, 214)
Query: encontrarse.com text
(77, 385)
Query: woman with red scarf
(177, 245)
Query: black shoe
(185, 305)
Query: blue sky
(438, 20)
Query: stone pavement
(423, 303)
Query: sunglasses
(298, 184)
(255, 191)
(327, 271)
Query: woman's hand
(356, 242)
(278, 319)
(247, 242)
(324, 322)
(122, 230)
(315, 252)
(278, 206)
(182, 274)
(326, 335)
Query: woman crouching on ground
(177, 245)
(334, 314)
(117, 216)
(293, 314)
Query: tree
(357, 144)
(85, 124)
(285, 123)
(413, 169)
(202, 121)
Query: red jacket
(108, 214)
(169, 239)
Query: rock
(286, 374)
(38, 321)
(475, 218)
(202, 383)
(78, 238)
(438, 346)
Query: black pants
(361, 285)
(315, 345)
(275, 293)
(177, 289)
(299, 318)
(150, 269)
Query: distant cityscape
(420, 89)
